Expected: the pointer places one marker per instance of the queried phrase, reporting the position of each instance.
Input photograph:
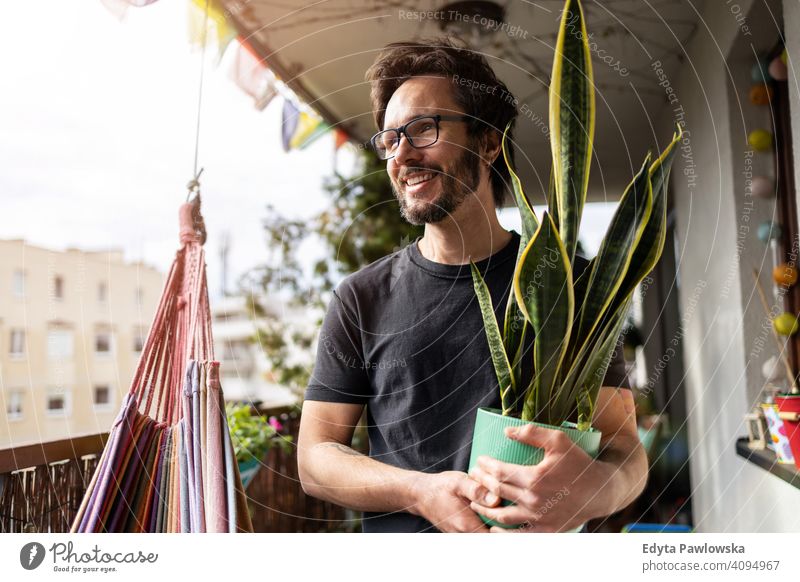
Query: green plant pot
(489, 439)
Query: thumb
(536, 436)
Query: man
(404, 335)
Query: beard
(457, 186)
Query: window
(58, 402)
(102, 292)
(17, 348)
(102, 342)
(102, 397)
(18, 284)
(139, 336)
(58, 287)
(59, 343)
(14, 405)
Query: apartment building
(72, 326)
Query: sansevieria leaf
(572, 119)
(614, 257)
(651, 243)
(543, 289)
(514, 326)
(502, 367)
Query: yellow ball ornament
(760, 140)
(786, 324)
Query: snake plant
(575, 322)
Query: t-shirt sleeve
(617, 372)
(339, 373)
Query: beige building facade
(72, 325)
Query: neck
(472, 232)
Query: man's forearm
(337, 473)
(626, 463)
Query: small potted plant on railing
(576, 323)
(253, 435)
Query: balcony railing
(42, 486)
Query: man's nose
(405, 152)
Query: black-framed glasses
(421, 132)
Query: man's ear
(491, 147)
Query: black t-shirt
(404, 336)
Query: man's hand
(444, 500)
(562, 492)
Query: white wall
(722, 315)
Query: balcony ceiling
(322, 49)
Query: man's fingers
(476, 491)
(536, 436)
(510, 473)
(496, 487)
(506, 515)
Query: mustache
(413, 170)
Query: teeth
(418, 179)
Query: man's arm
(330, 469)
(568, 487)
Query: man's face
(432, 182)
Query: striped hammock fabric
(169, 464)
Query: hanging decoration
(778, 69)
(760, 140)
(310, 126)
(340, 138)
(768, 231)
(785, 274)
(762, 187)
(759, 73)
(289, 123)
(252, 76)
(786, 324)
(213, 22)
(761, 94)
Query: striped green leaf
(515, 327)
(651, 244)
(614, 257)
(502, 368)
(543, 289)
(572, 120)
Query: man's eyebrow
(409, 118)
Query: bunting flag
(252, 76)
(291, 118)
(310, 126)
(119, 8)
(218, 25)
(340, 138)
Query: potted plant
(575, 323)
(253, 436)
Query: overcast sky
(97, 125)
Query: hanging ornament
(778, 70)
(761, 94)
(760, 140)
(785, 57)
(772, 370)
(768, 231)
(762, 187)
(759, 72)
(785, 274)
(786, 324)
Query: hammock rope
(169, 464)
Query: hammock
(169, 464)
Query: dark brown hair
(475, 87)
